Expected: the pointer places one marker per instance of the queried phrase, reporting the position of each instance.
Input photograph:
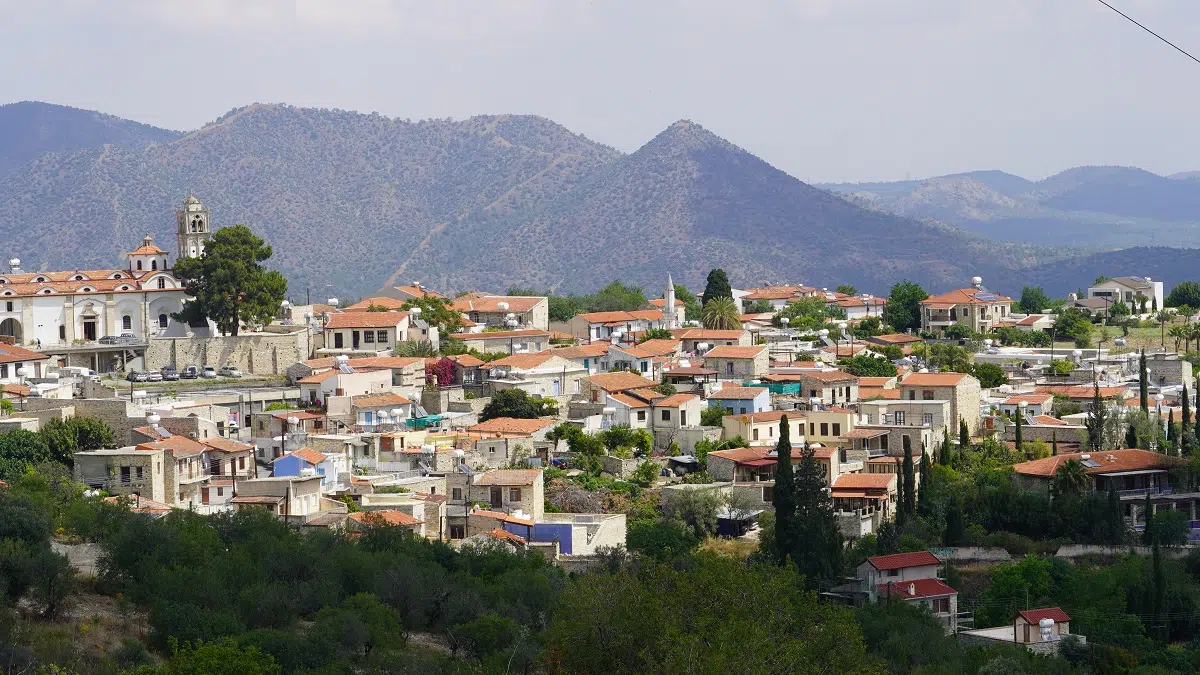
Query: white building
(81, 306)
(1127, 290)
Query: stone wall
(120, 415)
(621, 468)
(253, 353)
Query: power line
(1143, 27)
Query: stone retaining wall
(253, 353)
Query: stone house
(738, 363)
(521, 341)
(975, 308)
(365, 333)
(962, 390)
(500, 311)
(831, 387)
(540, 374)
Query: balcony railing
(1141, 492)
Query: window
(154, 266)
(770, 432)
(941, 605)
(927, 394)
(139, 265)
(814, 393)
(162, 283)
(743, 410)
(642, 415)
(824, 428)
(162, 320)
(755, 434)
(927, 418)
(62, 333)
(883, 442)
(514, 494)
(127, 322)
(891, 573)
(369, 336)
(8, 306)
(643, 366)
(847, 393)
(458, 531)
(337, 340)
(912, 395)
(837, 428)
(241, 462)
(899, 417)
(666, 415)
(139, 473)
(381, 336)
(456, 494)
(768, 494)
(729, 367)
(812, 429)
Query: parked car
(154, 376)
(189, 373)
(138, 376)
(109, 340)
(230, 371)
(169, 373)
(208, 371)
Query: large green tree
(436, 312)
(717, 286)
(903, 309)
(1184, 293)
(517, 403)
(721, 314)
(817, 542)
(228, 282)
(1033, 300)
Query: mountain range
(352, 202)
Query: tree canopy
(1184, 293)
(228, 282)
(518, 403)
(903, 309)
(717, 286)
(436, 312)
(1033, 300)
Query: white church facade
(44, 309)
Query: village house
(365, 333)
(593, 357)
(975, 308)
(741, 400)
(912, 578)
(505, 440)
(738, 363)
(763, 428)
(344, 381)
(827, 425)
(414, 291)
(594, 326)
(828, 387)
(902, 340)
(1129, 290)
(1038, 630)
(370, 412)
(699, 340)
(858, 307)
(1034, 403)
(962, 390)
(277, 432)
(521, 341)
(408, 373)
(506, 312)
(308, 462)
(540, 374)
(14, 358)
(361, 520)
(778, 296)
(291, 498)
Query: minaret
(669, 305)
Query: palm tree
(1193, 332)
(1179, 333)
(1163, 317)
(721, 314)
(1070, 479)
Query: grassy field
(1138, 338)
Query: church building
(76, 307)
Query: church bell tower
(194, 229)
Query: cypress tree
(783, 497)
(1148, 517)
(1019, 422)
(1143, 383)
(817, 542)
(1186, 414)
(1160, 594)
(1131, 440)
(954, 524)
(923, 488)
(964, 435)
(1096, 416)
(1116, 516)
(1054, 443)
(716, 286)
(945, 458)
(900, 499)
(910, 479)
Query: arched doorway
(11, 328)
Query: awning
(1140, 472)
(766, 461)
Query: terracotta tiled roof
(863, 432)
(387, 517)
(301, 415)
(741, 454)
(378, 400)
(895, 338)
(147, 249)
(309, 455)
(16, 389)
(502, 517)
(366, 320)
(899, 561)
(226, 445)
(709, 334)
(178, 446)
(964, 296)
(1036, 398)
(15, 354)
(768, 416)
(868, 393)
(917, 588)
(257, 499)
(1082, 391)
(511, 425)
(504, 535)
(614, 382)
(419, 292)
(735, 352)
(675, 400)
(491, 303)
(523, 361)
(1047, 420)
(588, 351)
(142, 505)
(390, 304)
(875, 381)
(1110, 461)
(647, 394)
(829, 376)
(466, 360)
(317, 378)
(1034, 616)
(736, 393)
(933, 379)
(776, 292)
(864, 481)
(501, 334)
(631, 401)
(623, 317)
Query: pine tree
(1096, 417)
(817, 542)
(783, 496)
(910, 488)
(1054, 443)
(1143, 383)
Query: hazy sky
(824, 89)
